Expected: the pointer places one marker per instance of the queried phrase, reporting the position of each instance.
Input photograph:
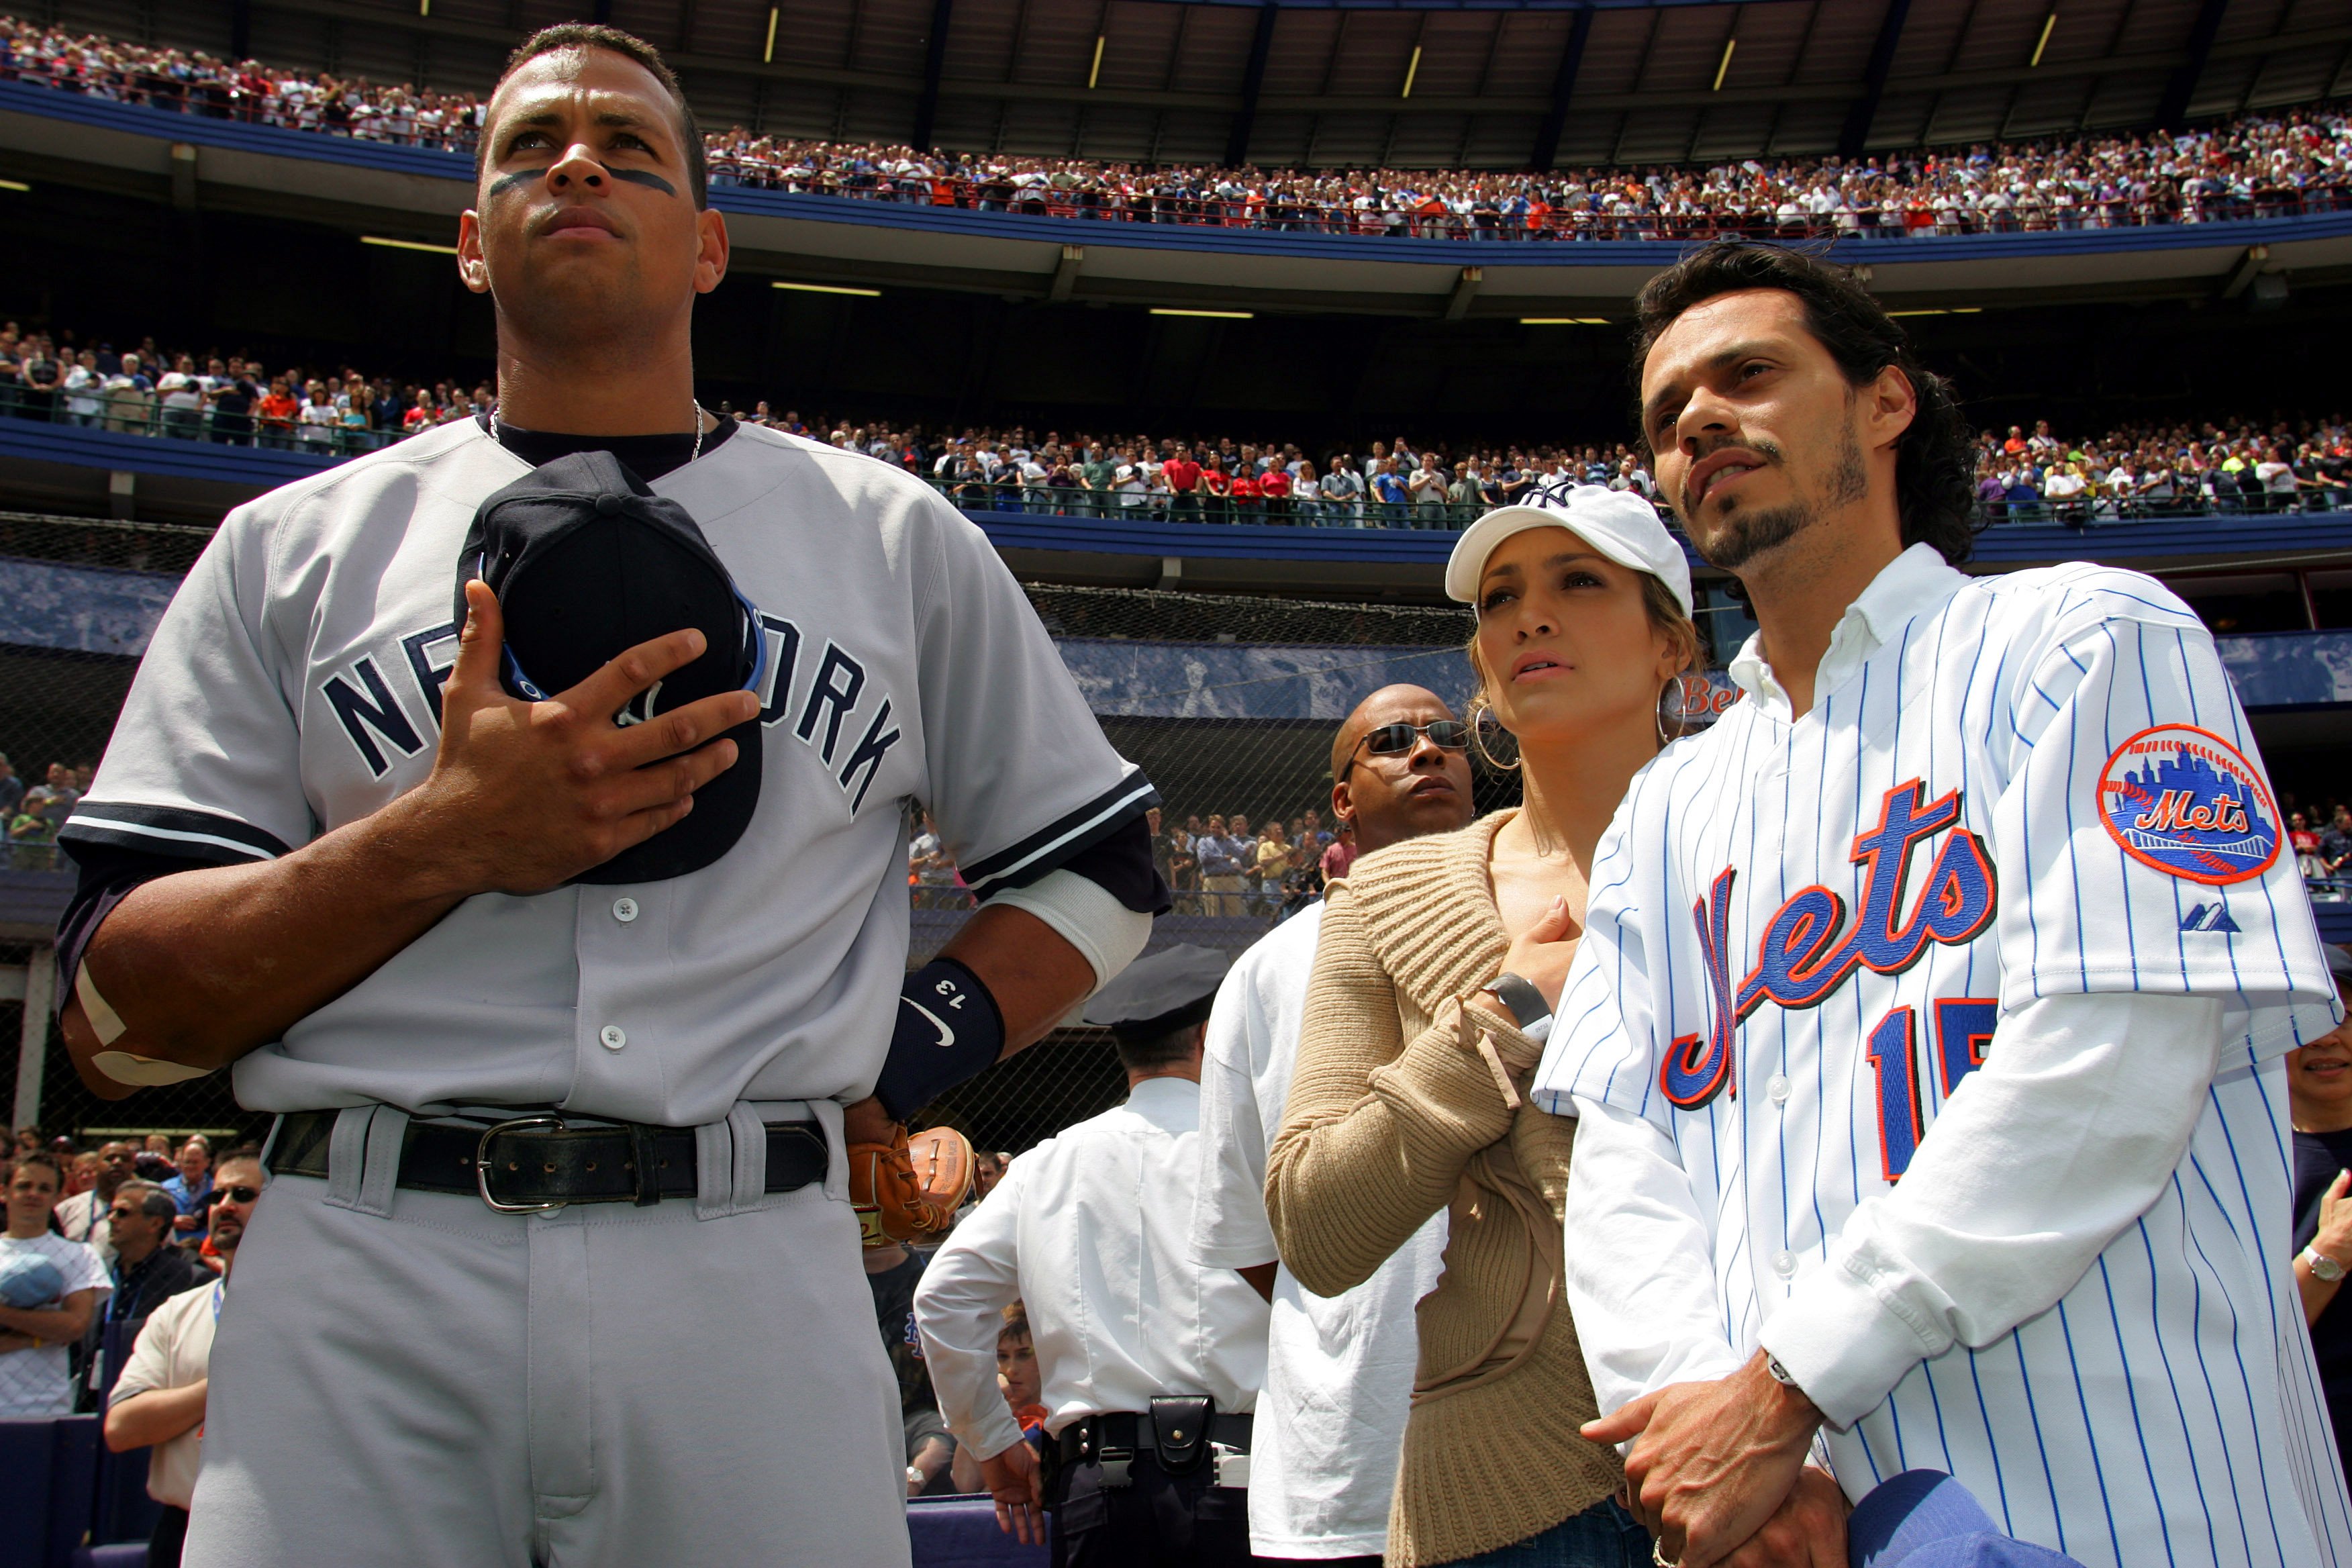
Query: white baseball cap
(1620, 524)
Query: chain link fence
(1229, 703)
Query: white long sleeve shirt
(1931, 1040)
(1091, 1231)
(1339, 1369)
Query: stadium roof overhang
(1402, 83)
(414, 193)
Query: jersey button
(625, 909)
(614, 1036)
(1777, 1088)
(1784, 1264)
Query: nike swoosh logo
(947, 1036)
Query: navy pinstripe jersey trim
(1025, 862)
(201, 835)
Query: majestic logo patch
(2214, 918)
(2185, 802)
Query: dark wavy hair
(1935, 468)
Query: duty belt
(541, 1162)
(1179, 1430)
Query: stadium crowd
(1217, 864)
(31, 814)
(2233, 466)
(2256, 165)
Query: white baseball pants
(605, 1386)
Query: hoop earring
(1672, 688)
(1481, 712)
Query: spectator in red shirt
(424, 416)
(1341, 855)
(1181, 475)
(1246, 495)
(1274, 485)
(277, 409)
(2305, 841)
(1216, 485)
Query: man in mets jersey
(1925, 1032)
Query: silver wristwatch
(1519, 998)
(2324, 1269)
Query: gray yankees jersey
(293, 688)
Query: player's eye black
(242, 1194)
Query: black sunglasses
(1396, 739)
(242, 1194)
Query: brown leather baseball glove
(910, 1188)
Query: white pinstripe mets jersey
(294, 686)
(2016, 871)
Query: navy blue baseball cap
(587, 563)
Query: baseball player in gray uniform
(559, 1266)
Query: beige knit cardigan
(1405, 1102)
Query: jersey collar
(1910, 585)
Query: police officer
(1149, 1364)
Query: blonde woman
(1439, 961)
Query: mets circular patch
(2188, 804)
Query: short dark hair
(40, 1157)
(153, 1201)
(1935, 468)
(1139, 1051)
(596, 36)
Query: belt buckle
(482, 1163)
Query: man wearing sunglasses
(148, 1269)
(1330, 1419)
(159, 1401)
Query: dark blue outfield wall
(107, 610)
(274, 142)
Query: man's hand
(1808, 1532)
(536, 793)
(1711, 1461)
(205, 964)
(1014, 1478)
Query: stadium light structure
(768, 55)
(390, 244)
(1219, 315)
(14, 185)
(1563, 321)
(826, 289)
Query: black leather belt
(540, 1161)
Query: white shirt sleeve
(1640, 1261)
(1230, 1229)
(959, 1305)
(149, 1365)
(1021, 777)
(205, 761)
(2081, 1111)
